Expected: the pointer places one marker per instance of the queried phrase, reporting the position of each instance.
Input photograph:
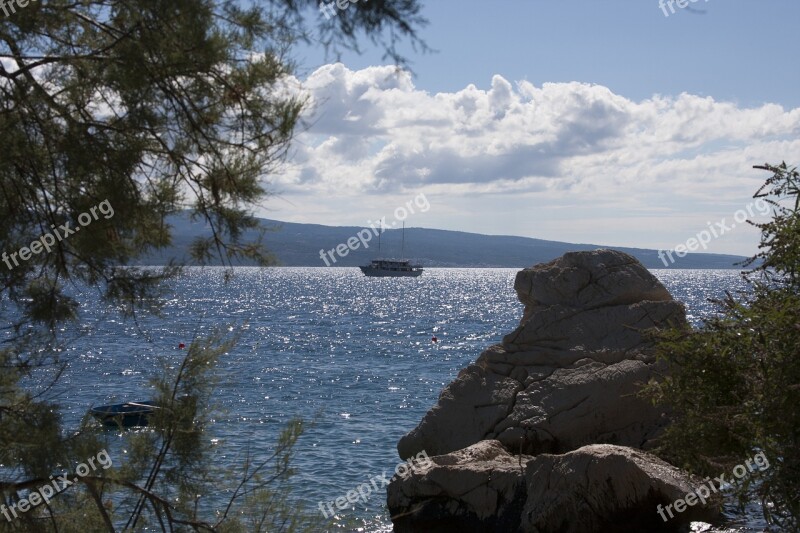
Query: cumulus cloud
(565, 161)
(372, 131)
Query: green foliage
(167, 477)
(734, 385)
(141, 109)
(179, 483)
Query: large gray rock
(564, 382)
(569, 374)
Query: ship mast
(403, 245)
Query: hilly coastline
(295, 244)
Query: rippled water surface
(326, 342)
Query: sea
(351, 355)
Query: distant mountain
(300, 244)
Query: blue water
(354, 352)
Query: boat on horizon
(392, 268)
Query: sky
(607, 123)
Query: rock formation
(564, 382)
(600, 487)
(568, 375)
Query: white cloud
(373, 135)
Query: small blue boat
(127, 415)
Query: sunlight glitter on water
(354, 354)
